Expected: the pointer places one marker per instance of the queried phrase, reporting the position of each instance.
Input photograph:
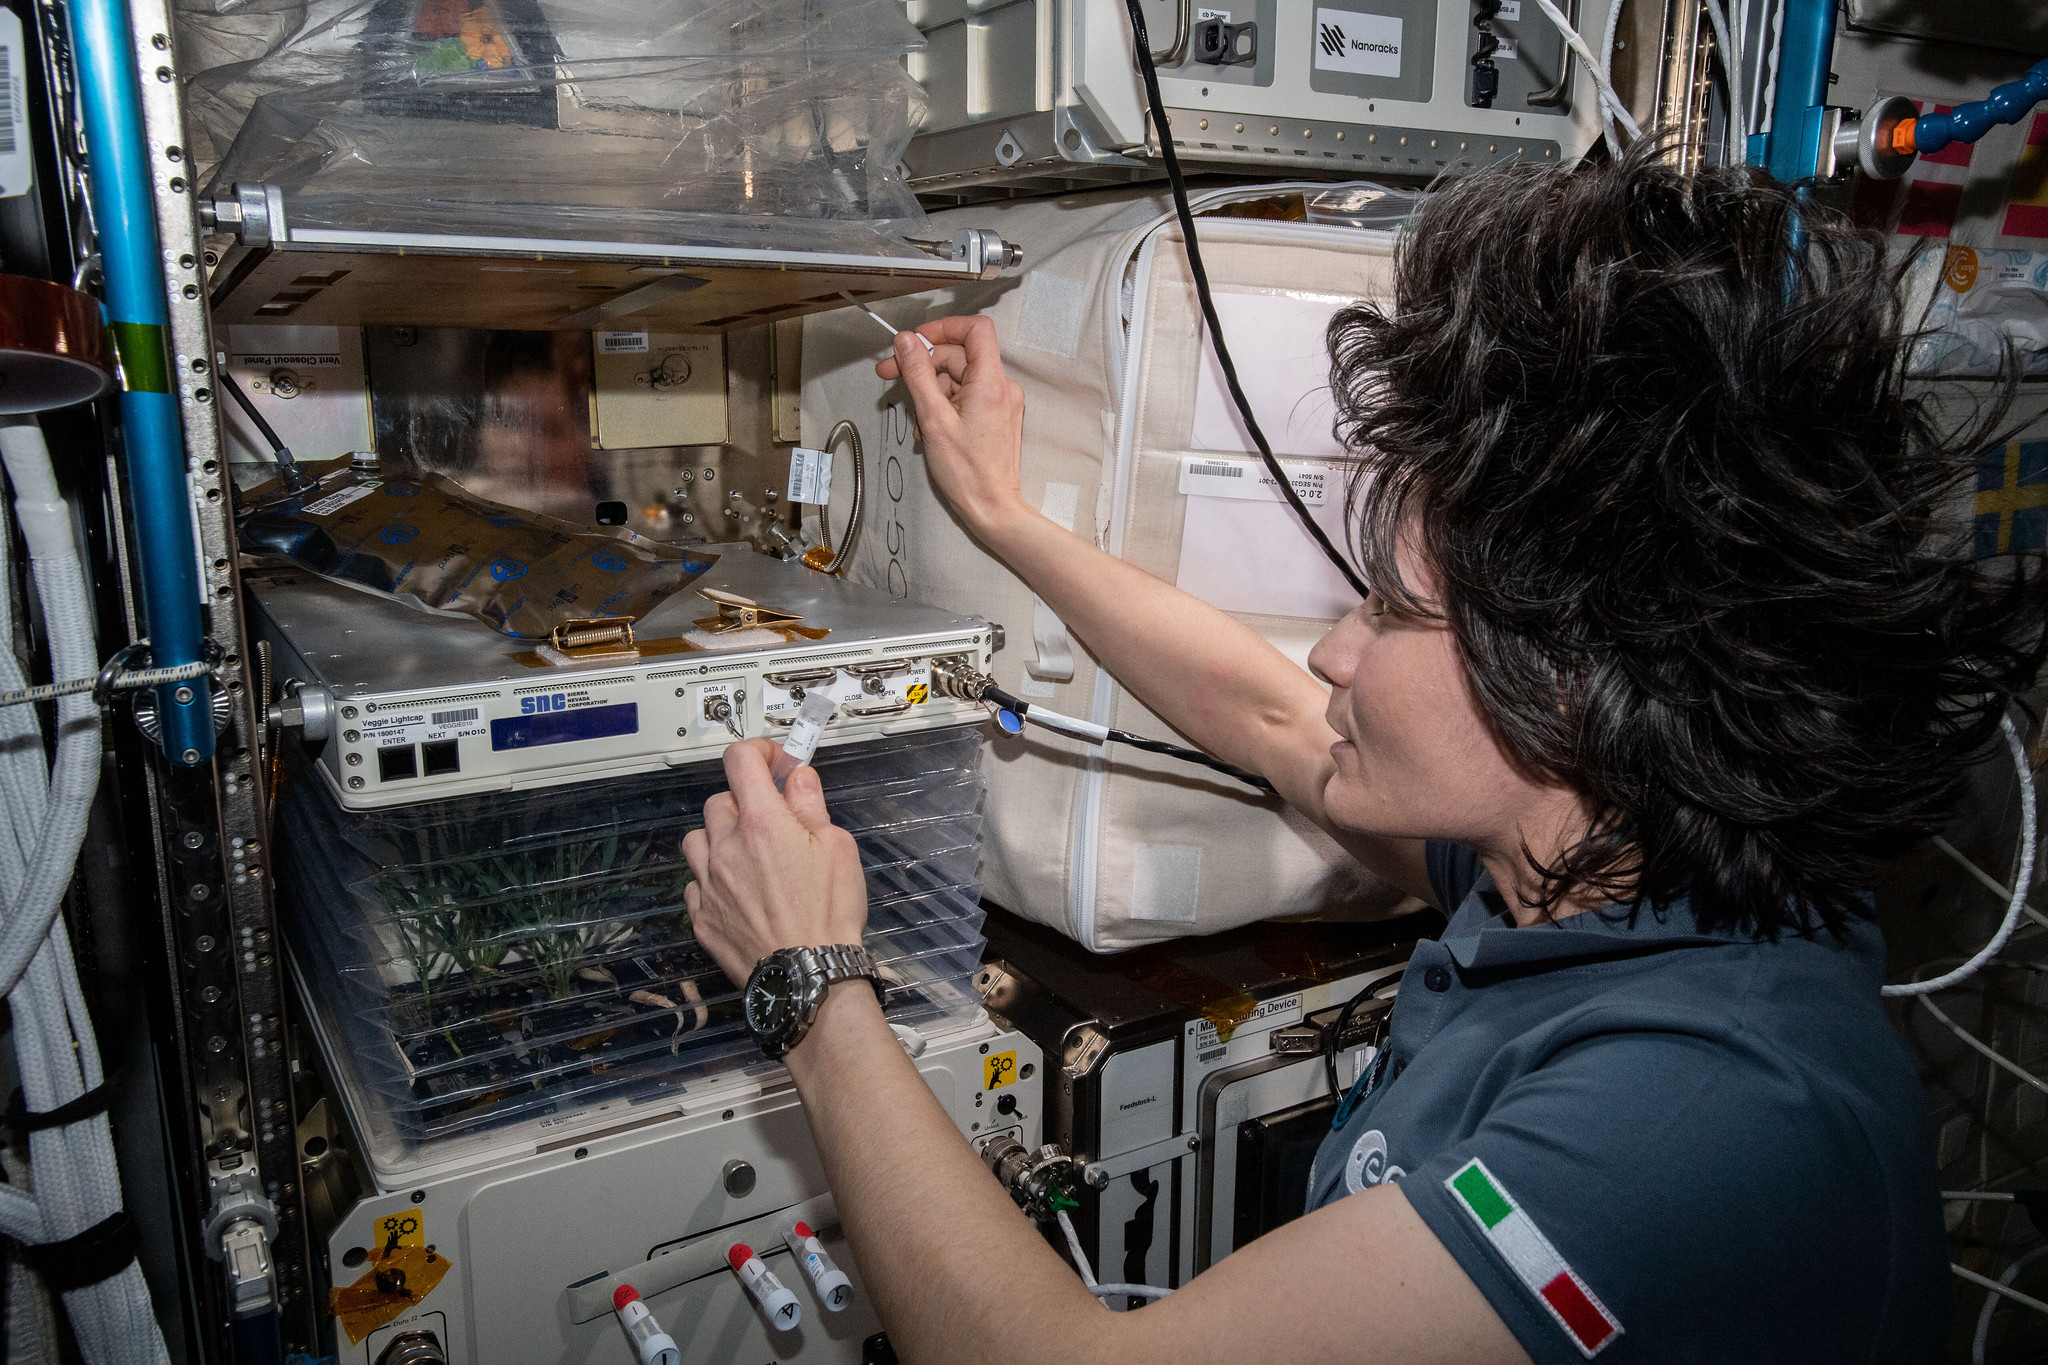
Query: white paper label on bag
(622, 343)
(810, 476)
(1205, 476)
(17, 152)
(1363, 44)
(334, 502)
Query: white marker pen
(885, 324)
(804, 733)
(656, 1347)
(833, 1286)
(784, 1312)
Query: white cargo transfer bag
(1130, 440)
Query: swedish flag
(2012, 499)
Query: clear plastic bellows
(767, 123)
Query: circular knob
(739, 1179)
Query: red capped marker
(655, 1346)
(781, 1306)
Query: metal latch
(593, 637)
(238, 1232)
(1098, 1174)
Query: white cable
(1136, 1291)
(2012, 1271)
(1768, 86)
(1069, 725)
(1989, 882)
(1074, 1245)
(1731, 69)
(1991, 1054)
(75, 1183)
(1607, 65)
(1578, 45)
(1964, 1272)
(2020, 879)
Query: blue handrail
(132, 265)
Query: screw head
(355, 784)
(688, 517)
(183, 696)
(192, 839)
(216, 1044)
(354, 760)
(204, 943)
(351, 736)
(348, 713)
(710, 474)
(191, 757)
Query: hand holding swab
(881, 321)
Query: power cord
(1143, 42)
(953, 679)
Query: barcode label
(7, 139)
(1248, 481)
(17, 152)
(455, 717)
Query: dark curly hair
(1653, 436)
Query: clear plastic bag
(768, 123)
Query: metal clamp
(309, 710)
(238, 1231)
(253, 213)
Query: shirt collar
(1479, 937)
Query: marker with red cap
(833, 1286)
(781, 1306)
(655, 1346)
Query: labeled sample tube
(783, 1311)
(833, 1287)
(655, 1346)
(804, 733)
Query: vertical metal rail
(221, 921)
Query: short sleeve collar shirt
(1647, 1143)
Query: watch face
(770, 998)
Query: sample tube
(783, 1311)
(655, 1346)
(804, 732)
(833, 1286)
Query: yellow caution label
(408, 1229)
(394, 1284)
(999, 1069)
(917, 693)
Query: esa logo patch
(1367, 1165)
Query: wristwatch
(788, 986)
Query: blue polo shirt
(1648, 1143)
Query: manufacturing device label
(1216, 476)
(563, 717)
(1362, 44)
(424, 723)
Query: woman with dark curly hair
(1672, 633)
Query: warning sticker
(916, 693)
(998, 1070)
(408, 1229)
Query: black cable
(269, 432)
(1022, 710)
(286, 464)
(1179, 184)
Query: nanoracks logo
(1333, 40)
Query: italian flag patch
(1531, 1256)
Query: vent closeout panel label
(562, 727)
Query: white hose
(1074, 1245)
(2020, 879)
(1983, 1337)
(1607, 65)
(1135, 1291)
(1578, 45)
(75, 1181)
(1731, 67)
